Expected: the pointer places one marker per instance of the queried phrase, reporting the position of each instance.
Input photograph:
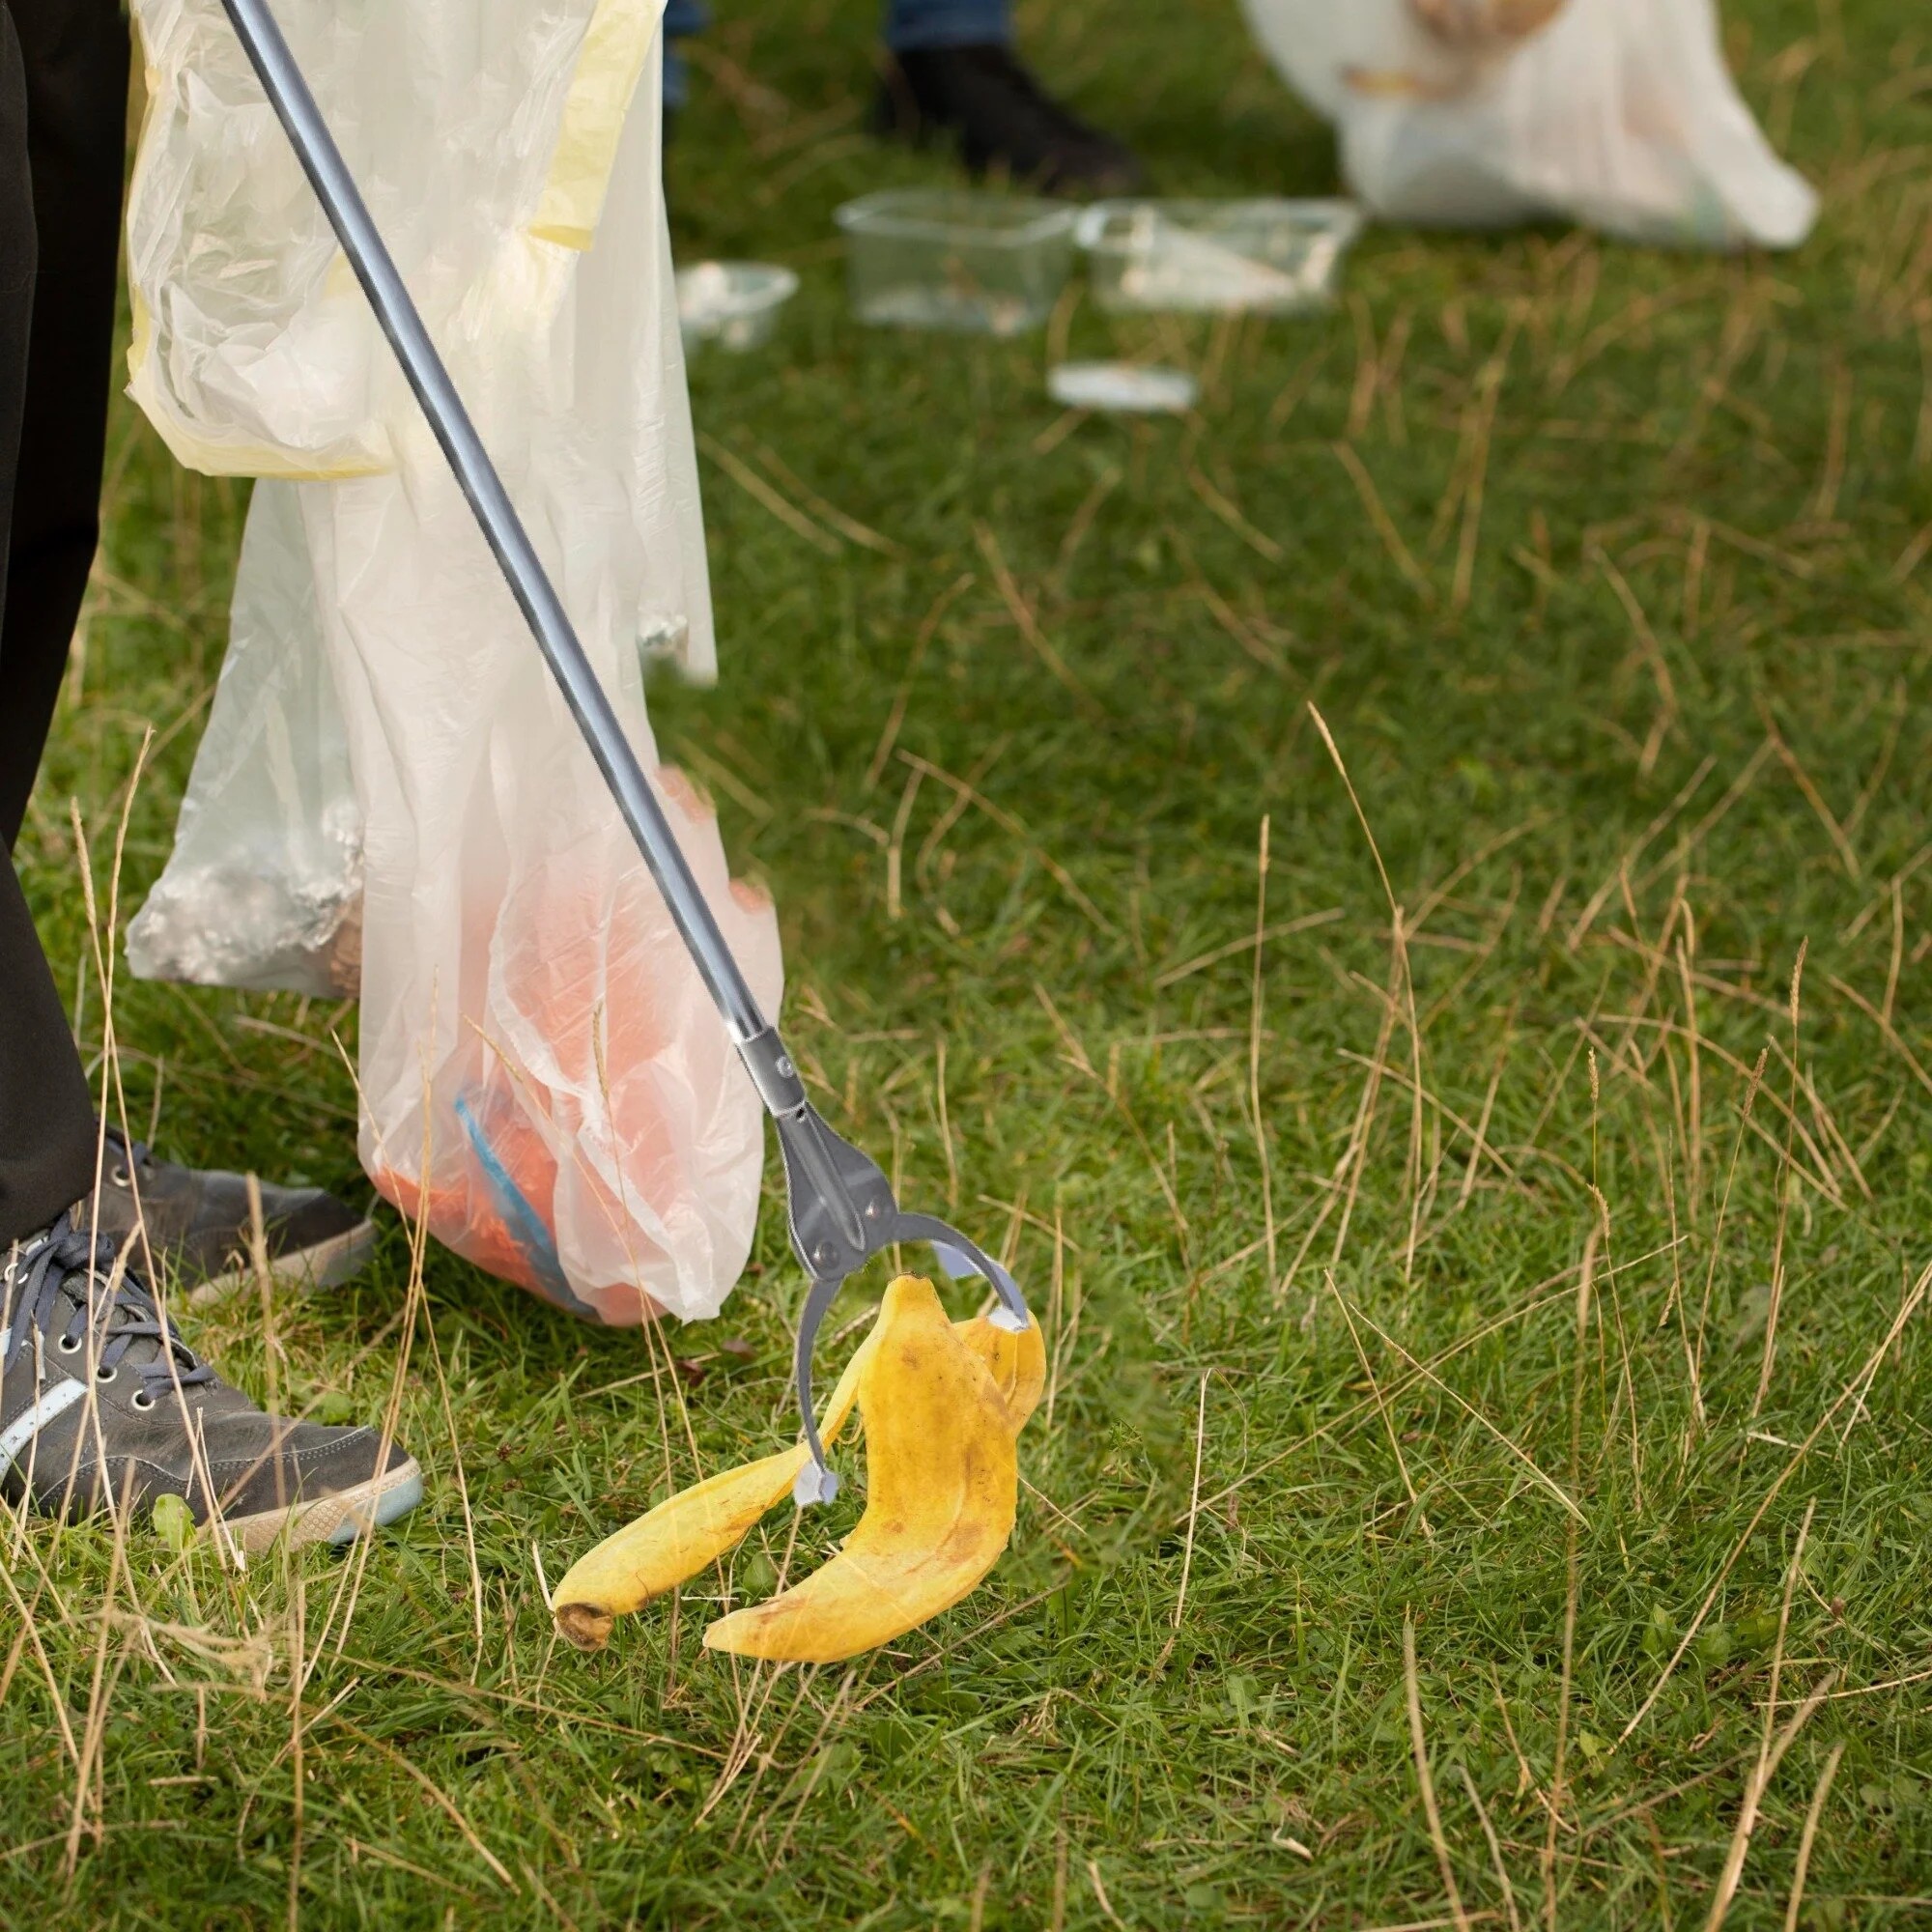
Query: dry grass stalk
(437, 1796)
(1255, 1054)
(1193, 1518)
(1542, 1295)
(1886, 1029)
(1475, 464)
(1755, 1787)
(1752, 1090)
(770, 499)
(298, 1650)
(1496, 1864)
(1423, 1781)
(1832, 479)
(1585, 1282)
(1712, 819)
(966, 794)
(1023, 615)
(1381, 1406)
(1602, 896)
(1403, 978)
(1230, 619)
(1476, 1414)
(1228, 511)
(1854, 1389)
(1808, 1836)
(1385, 524)
(1777, 1295)
(818, 1758)
(1813, 797)
(1173, 975)
(1100, 1898)
(915, 661)
(1652, 654)
(849, 527)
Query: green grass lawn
(1526, 1264)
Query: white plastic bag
(1620, 114)
(542, 1073)
(263, 888)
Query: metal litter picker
(840, 1206)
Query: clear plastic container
(734, 305)
(977, 264)
(1268, 257)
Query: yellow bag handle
(616, 44)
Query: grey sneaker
(102, 1404)
(189, 1226)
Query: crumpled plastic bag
(390, 797)
(264, 890)
(1620, 114)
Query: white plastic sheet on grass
(390, 797)
(1620, 114)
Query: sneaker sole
(326, 1265)
(337, 1519)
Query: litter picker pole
(840, 1203)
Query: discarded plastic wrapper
(1619, 114)
(944, 1405)
(391, 795)
(1128, 389)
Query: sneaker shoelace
(61, 1287)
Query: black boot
(1004, 122)
(103, 1406)
(190, 1227)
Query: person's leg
(46, 1119)
(100, 1400)
(682, 18)
(61, 139)
(950, 71)
(74, 55)
(47, 1137)
(915, 26)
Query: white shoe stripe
(24, 1427)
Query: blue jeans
(913, 26)
(910, 26)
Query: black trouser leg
(63, 92)
(75, 60)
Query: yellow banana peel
(1016, 1363)
(692, 1529)
(942, 1423)
(678, 1539)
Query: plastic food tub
(733, 303)
(1267, 257)
(977, 263)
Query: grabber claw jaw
(815, 1483)
(842, 1212)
